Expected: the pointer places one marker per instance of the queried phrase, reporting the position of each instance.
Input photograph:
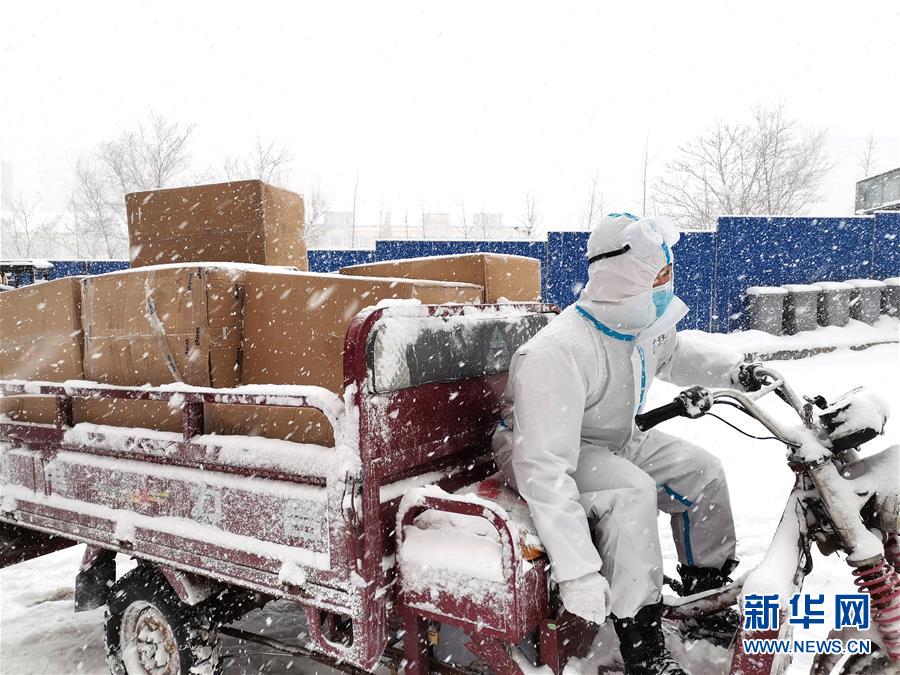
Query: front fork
(789, 551)
(874, 564)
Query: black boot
(643, 645)
(719, 628)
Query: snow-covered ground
(40, 633)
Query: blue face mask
(661, 299)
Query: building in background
(339, 232)
(879, 193)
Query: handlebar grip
(651, 418)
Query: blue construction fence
(713, 269)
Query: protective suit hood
(628, 252)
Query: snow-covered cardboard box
(242, 221)
(156, 325)
(509, 277)
(113, 412)
(40, 331)
(32, 409)
(295, 323)
(300, 425)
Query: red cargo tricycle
(363, 535)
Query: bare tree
(268, 162)
(96, 225)
(315, 203)
(353, 222)
(152, 155)
(149, 157)
(24, 233)
(646, 160)
(465, 226)
(765, 166)
(486, 224)
(530, 219)
(867, 157)
(594, 207)
(424, 217)
(385, 218)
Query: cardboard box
(511, 277)
(120, 412)
(164, 324)
(295, 323)
(301, 425)
(242, 221)
(34, 409)
(40, 331)
(113, 412)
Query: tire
(150, 631)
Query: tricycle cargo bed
(237, 508)
(291, 520)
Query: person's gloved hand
(746, 375)
(588, 597)
(696, 401)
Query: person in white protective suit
(593, 482)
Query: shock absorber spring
(882, 584)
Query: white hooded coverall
(567, 440)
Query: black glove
(748, 376)
(696, 402)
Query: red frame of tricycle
(429, 431)
(360, 583)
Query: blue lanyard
(603, 328)
(606, 330)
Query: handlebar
(651, 418)
(746, 400)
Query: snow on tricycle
(402, 533)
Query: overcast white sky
(432, 102)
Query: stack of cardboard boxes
(205, 305)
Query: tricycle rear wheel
(150, 631)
